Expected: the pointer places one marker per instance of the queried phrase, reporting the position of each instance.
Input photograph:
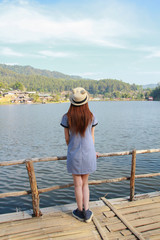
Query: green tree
(156, 93)
(18, 86)
(2, 85)
(140, 95)
(35, 97)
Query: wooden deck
(113, 219)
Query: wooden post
(34, 189)
(133, 171)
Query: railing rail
(33, 184)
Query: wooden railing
(34, 191)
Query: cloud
(32, 24)
(47, 53)
(9, 52)
(154, 54)
(150, 72)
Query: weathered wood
(15, 194)
(147, 175)
(47, 159)
(42, 190)
(147, 151)
(93, 182)
(34, 189)
(61, 225)
(23, 161)
(125, 222)
(133, 170)
(100, 229)
(140, 207)
(146, 213)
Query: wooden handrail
(48, 159)
(133, 171)
(93, 182)
(35, 191)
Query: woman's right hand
(97, 154)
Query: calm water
(28, 131)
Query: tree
(18, 86)
(156, 93)
(2, 85)
(35, 97)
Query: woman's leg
(78, 190)
(88, 214)
(85, 191)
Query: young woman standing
(79, 124)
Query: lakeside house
(150, 98)
(17, 96)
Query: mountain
(28, 70)
(50, 81)
(151, 86)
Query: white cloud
(9, 52)
(154, 54)
(47, 53)
(150, 72)
(11, 63)
(26, 23)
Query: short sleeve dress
(81, 154)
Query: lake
(28, 131)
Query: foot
(88, 215)
(78, 214)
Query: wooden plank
(125, 200)
(148, 234)
(138, 224)
(145, 221)
(119, 235)
(15, 216)
(127, 233)
(157, 237)
(44, 232)
(17, 227)
(58, 222)
(138, 202)
(144, 214)
(100, 229)
(149, 227)
(61, 230)
(140, 208)
(33, 224)
(127, 224)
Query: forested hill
(47, 81)
(28, 70)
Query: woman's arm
(66, 133)
(92, 132)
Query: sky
(96, 39)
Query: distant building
(150, 98)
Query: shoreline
(110, 100)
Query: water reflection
(29, 131)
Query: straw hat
(79, 96)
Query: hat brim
(78, 103)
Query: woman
(79, 124)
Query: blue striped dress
(81, 154)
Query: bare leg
(85, 190)
(78, 190)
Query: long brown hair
(79, 117)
